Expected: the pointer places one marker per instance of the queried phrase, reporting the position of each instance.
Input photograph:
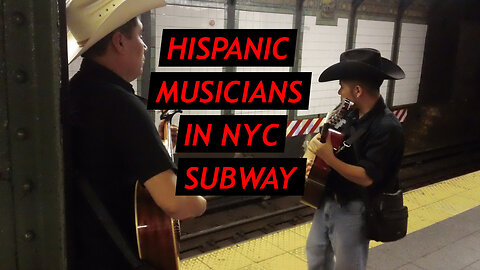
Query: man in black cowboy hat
(337, 239)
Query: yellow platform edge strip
(286, 249)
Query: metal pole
(352, 24)
(7, 217)
(231, 18)
(32, 215)
(403, 5)
(298, 19)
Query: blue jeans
(337, 238)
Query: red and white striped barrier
(309, 126)
(401, 114)
(303, 126)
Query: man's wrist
(330, 160)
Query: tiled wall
(74, 67)
(410, 58)
(377, 35)
(184, 17)
(322, 46)
(176, 17)
(263, 20)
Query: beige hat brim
(122, 14)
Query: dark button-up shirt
(114, 144)
(379, 151)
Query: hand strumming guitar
(322, 150)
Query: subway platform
(443, 233)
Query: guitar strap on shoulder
(354, 136)
(107, 221)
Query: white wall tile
(183, 17)
(263, 20)
(74, 67)
(410, 58)
(322, 46)
(377, 35)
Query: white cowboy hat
(89, 21)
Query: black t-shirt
(379, 151)
(115, 143)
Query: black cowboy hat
(363, 63)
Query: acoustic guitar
(157, 234)
(316, 179)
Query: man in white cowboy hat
(337, 239)
(114, 140)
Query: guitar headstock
(168, 114)
(335, 120)
(339, 112)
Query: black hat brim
(358, 70)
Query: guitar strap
(354, 136)
(107, 221)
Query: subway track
(233, 219)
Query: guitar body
(317, 179)
(157, 237)
(157, 234)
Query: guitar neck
(167, 137)
(324, 132)
(167, 116)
